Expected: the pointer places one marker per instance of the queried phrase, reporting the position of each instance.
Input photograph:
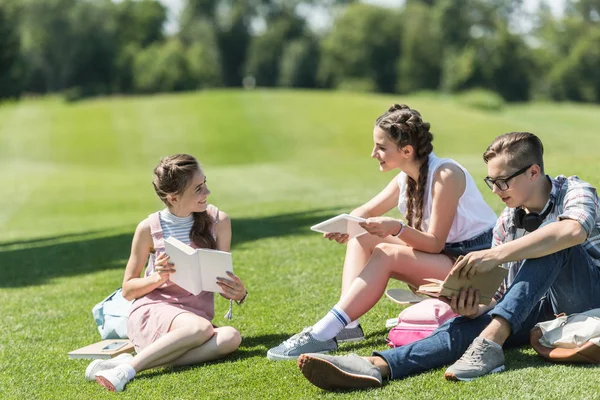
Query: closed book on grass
(343, 223)
(108, 348)
(197, 270)
(487, 284)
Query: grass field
(75, 181)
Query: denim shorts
(480, 242)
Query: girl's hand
(163, 268)
(381, 226)
(233, 288)
(338, 237)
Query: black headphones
(531, 221)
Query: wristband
(402, 226)
(242, 300)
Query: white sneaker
(113, 379)
(102, 365)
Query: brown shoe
(339, 372)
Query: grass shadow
(251, 347)
(36, 261)
(296, 223)
(374, 341)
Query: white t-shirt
(473, 215)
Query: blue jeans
(479, 242)
(566, 281)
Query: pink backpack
(419, 321)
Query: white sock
(330, 325)
(353, 324)
(128, 369)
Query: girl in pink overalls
(167, 324)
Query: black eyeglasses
(502, 183)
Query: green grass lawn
(76, 179)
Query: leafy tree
(162, 67)
(264, 55)
(420, 64)
(299, 63)
(577, 76)
(363, 45)
(10, 63)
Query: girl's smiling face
(193, 198)
(385, 151)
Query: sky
(318, 19)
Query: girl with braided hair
(446, 216)
(167, 324)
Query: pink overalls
(151, 315)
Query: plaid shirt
(573, 199)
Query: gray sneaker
(300, 343)
(481, 358)
(339, 372)
(350, 334)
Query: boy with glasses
(553, 268)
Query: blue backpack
(111, 316)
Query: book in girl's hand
(343, 223)
(197, 270)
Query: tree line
(101, 47)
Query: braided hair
(172, 176)
(404, 126)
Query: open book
(343, 223)
(487, 284)
(197, 270)
(104, 349)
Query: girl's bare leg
(391, 260)
(358, 252)
(188, 332)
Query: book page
(214, 264)
(187, 268)
(342, 223)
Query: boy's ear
(535, 171)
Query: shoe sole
(90, 368)
(451, 377)
(350, 340)
(106, 383)
(277, 357)
(328, 376)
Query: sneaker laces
(474, 353)
(298, 339)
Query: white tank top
(473, 215)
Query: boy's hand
(477, 262)
(466, 303)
